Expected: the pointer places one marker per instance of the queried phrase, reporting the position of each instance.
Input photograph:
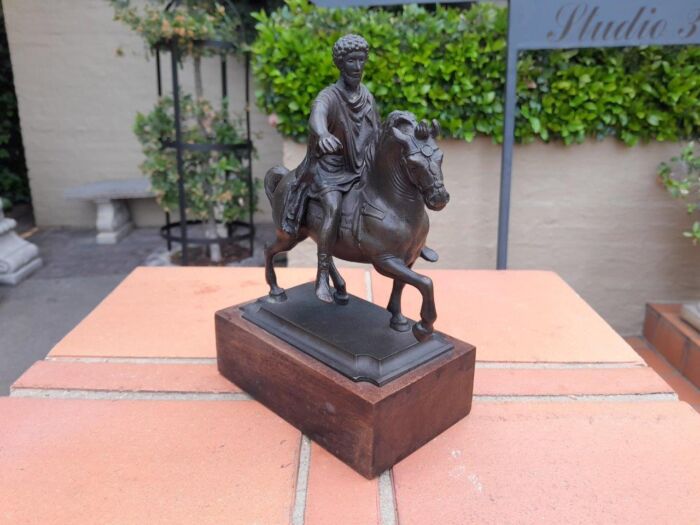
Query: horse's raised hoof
(400, 324)
(341, 298)
(421, 333)
(278, 296)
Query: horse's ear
(422, 132)
(435, 129)
(400, 135)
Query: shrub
(216, 183)
(681, 177)
(14, 186)
(450, 64)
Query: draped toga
(355, 123)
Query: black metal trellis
(239, 230)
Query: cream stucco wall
(77, 102)
(592, 212)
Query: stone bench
(110, 196)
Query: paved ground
(77, 275)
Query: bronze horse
(384, 222)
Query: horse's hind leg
(283, 243)
(340, 295)
(396, 269)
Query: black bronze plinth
(354, 339)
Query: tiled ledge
(675, 339)
(128, 421)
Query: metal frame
(244, 150)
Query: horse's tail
(272, 179)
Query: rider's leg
(327, 235)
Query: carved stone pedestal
(369, 427)
(18, 258)
(113, 220)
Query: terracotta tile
(651, 321)
(557, 463)
(688, 331)
(125, 377)
(692, 366)
(338, 494)
(684, 388)
(565, 382)
(155, 462)
(635, 342)
(169, 312)
(669, 342)
(513, 315)
(662, 308)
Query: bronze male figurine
(343, 128)
(361, 191)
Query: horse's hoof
(276, 297)
(400, 324)
(341, 298)
(421, 333)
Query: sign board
(557, 24)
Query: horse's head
(421, 158)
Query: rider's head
(349, 55)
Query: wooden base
(367, 426)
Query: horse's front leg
(395, 268)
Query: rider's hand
(329, 144)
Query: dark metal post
(224, 82)
(178, 153)
(507, 150)
(251, 186)
(159, 82)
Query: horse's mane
(395, 117)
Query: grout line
(302, 485)
(659, 396)
(387, 499)
(55, 393)
(556, 366)
(368, 286)
(212, 361)
(137, 360)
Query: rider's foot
(323, 289)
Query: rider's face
(351, 67)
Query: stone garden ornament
(366, 383)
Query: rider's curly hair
(348, 44)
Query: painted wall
(593, 212)
(78, 98)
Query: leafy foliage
(14, 186)
(188, 22)
(191, 20)
(212, 179)
(450, 64)
(681, 177)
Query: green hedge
(450, 64)
(14, 186)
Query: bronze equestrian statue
(361, 191)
